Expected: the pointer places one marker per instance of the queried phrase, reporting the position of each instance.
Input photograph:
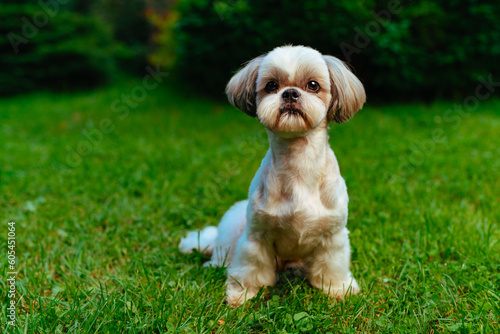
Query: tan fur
(241, 88)
(347, 91)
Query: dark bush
(423, 49)
(50, 49)
(130, 27)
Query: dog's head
(293, 89)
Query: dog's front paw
(343, 290)
(237, 294)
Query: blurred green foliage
(130, 27)
(400, 49)
(52, 48)
(164, 37)
(70, 44)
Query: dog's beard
(284, 117)
(291, 118)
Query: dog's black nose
(290, 95)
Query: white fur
(297, 206)
(228, 232)
(203, 241)
(291, 58)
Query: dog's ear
(241, 88)
(348, 93)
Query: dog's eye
(271, 87)
(313, 86)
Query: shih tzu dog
(296, 214)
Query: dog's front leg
(252, 268)
(328, 267)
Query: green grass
(97, 241)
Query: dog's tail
(203, 241)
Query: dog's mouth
(288, 113)
(292, 111)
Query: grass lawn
(97, 231)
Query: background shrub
(426, 50)
(130, 27)
(422, 50)
(69, 50)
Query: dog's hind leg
(228, 232)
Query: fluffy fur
(297, 207)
